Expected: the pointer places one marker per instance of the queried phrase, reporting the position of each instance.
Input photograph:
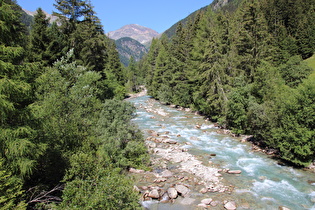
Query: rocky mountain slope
(51, 17)
(140, 33)
(128, 47)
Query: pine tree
(39, 38)
(19, 147)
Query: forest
(66, 139)
(243, 67)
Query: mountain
(51, 17)
(128, 47)
(140, 33)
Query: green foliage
(109, 191)
(243, 69)
(10, 190)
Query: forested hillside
(244, 69)
(65, 135)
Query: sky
(158, 15)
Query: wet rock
(207, 201)
(167, 174)
(188, 201)
(235, 172)
(164, 198)
(194, 138)
(181, 189)
(178, 135)
(198, 126)
(283, 208)
(213, 155)
(230, 205)
(136, 171)
(172, 193)
(154, 194)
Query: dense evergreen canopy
(243, 68)
(63, 125)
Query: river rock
(160, 179)
(172, 193)
(136, 171)
(187, 201)
(207, 201)
(169, 141)
(167, 174)
(235, 172)
(181, 189)
(202, 205)
(283, 208)
(154, 194)
(203, 190)
(230, 205)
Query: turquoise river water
(263, 183)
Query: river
(263, 184)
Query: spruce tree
(19, 147)
(39, 37)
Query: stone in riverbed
(230, 205)
(203, 190)
(202, 205)
(235, 172)
(154, 194)
(181, 189)
(172, 193)
(207, 201)
(283, 208)
(167, 174)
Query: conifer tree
(19, 148)
(39, 38)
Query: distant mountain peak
(51, 17)
(140, 33)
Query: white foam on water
(250, 165)
(203, 127)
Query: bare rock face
(140, 33)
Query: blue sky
(158, 15)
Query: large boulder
(154, 194)
(230, 205)
(172, 193)
(181, 189)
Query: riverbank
(176, 138)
